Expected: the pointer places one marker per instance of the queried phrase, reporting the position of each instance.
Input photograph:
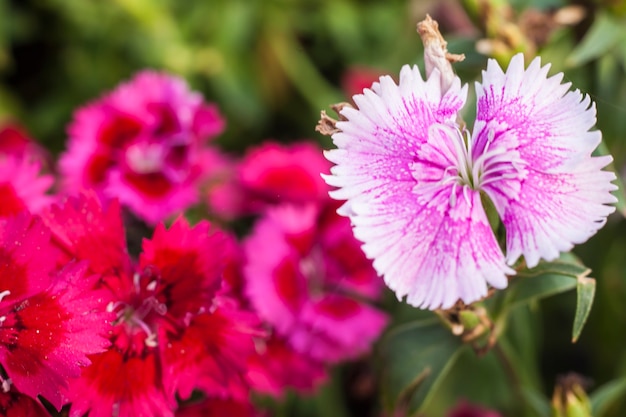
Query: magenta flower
(144, 143)
(51, 321)
(272, 173)
(268, 175)
(413, 178)
(306, 276)
(172, 333)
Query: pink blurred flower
(22, 186)
(274, 173)
(465, 409)
(268, 175)
(144, 143)
(50, 320)
(173, 333)
(413, 178)
(358, 78)
(305, 275)
(277, 367)
(15, 141)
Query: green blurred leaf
(606, 396)
(585, 292)
(416, 357)
(605, 33)
(539, 404)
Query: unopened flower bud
(570, 399)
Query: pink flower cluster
(145, 143)
(193, 322)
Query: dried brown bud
(327, 126)
(436, 53)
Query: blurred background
(272, 65)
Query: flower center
(452, 162)
(144, 301)
(145, 158)
(312, 267)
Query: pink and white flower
(413, 178)
(144, 143)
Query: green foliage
(606, 396)
(416, 357)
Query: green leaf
(416, 357)
(526, 289)
(544, 280)
(607, 395)
(539, 404)
(585, 291)
(604, 34)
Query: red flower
(216, 407)
(50, 322)
(172, 334)
(277, 367)
(16, 404)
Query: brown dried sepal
(482, 337)
(327, 126)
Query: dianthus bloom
(272, 174)
(414, 179)
(172, 333)
(50, 321)
(144, 143)
(22, 186)
(277, 367)
(307, 277)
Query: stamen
(151, 341)
(4, 294)
(453, 195)
(6, 384)
(137, 282)
(151, 338)
(151, 286)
